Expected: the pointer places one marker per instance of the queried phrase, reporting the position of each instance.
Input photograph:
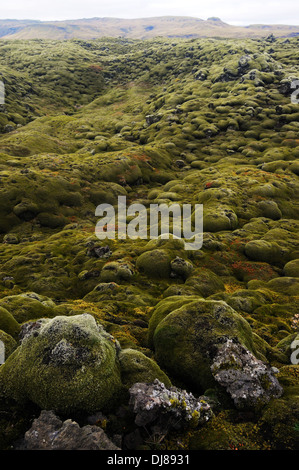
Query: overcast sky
(238, 12)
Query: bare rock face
(167, 408)
(250, 382)
(48, 432)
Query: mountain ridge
(138, 28)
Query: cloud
(240, 12)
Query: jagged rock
(99, 251)
(152, 118)
(250, 382)
(167, 408)
(48, 432)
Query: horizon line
(147, 18)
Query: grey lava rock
(48, 432)
(250, 382)
(180, 268)
(152, 118)
(98, 251)
(167, 408)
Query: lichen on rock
(154, 404)
(250, 382)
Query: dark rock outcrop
(48, 432)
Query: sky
(236, 12)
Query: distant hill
(143, 28)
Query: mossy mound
(291, 269)
(220, 219)
(28, 306)
(205, 282)
(289, 377)
(116, 271)
(285, 285)
(9, 342)
(64, 364)
(187, 339)
(155, 263)
(280, 424)
(285, 345)
(227, 431)
(8, 323)
(262, 250)
(138, 368)
(163, 308)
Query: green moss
(117, 271)
(136, 367)
(285, 285)
(70, 364)
(279, 424)
(183, 337)
(220, 220)
(225, 432)
(51, 220)
(291, 269)
(263, 250)
(155, 263)
(198, 121)
(28, 306)
(163, 308)
(205, 282)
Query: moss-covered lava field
(82, 320)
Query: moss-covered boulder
(8, 323)
(63, 364)
(28, 306)
(219, 219)
(289, 376)
(188, 338)
(285, 345)
(154, 263)
(291, 269)
(205, 282)
(245, 300)
(136, 367)
(270, 210)
(163, 308)
(284, 285)
(116, 271)
(269, 252)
